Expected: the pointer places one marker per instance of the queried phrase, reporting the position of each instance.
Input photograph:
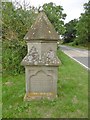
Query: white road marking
(76, 60)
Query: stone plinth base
(36, 96)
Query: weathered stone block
(41, 81)
(41, 62)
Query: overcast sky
(73, 8)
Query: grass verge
(72, 101)
(87, 47)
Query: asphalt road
(79, 55)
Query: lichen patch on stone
(33, 58)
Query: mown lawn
(72, 101)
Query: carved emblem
(32, 56)
(47, 58)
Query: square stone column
(41, 62)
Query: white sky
(73, 8)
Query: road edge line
(76, 60)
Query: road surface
(80, 55)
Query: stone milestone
(41, 62)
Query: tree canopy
(56, 16)
(78, 31)
(15, 24)
(83, 26)
(70, 33)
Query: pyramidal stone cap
(42, 29)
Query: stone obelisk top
(42, 29)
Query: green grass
(87, 47)
(72, 101)
(0, 96)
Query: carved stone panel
(41, 82)
(36, 45)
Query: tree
(56, 16)
(15, 24)
(70, 33)
(83, 26)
